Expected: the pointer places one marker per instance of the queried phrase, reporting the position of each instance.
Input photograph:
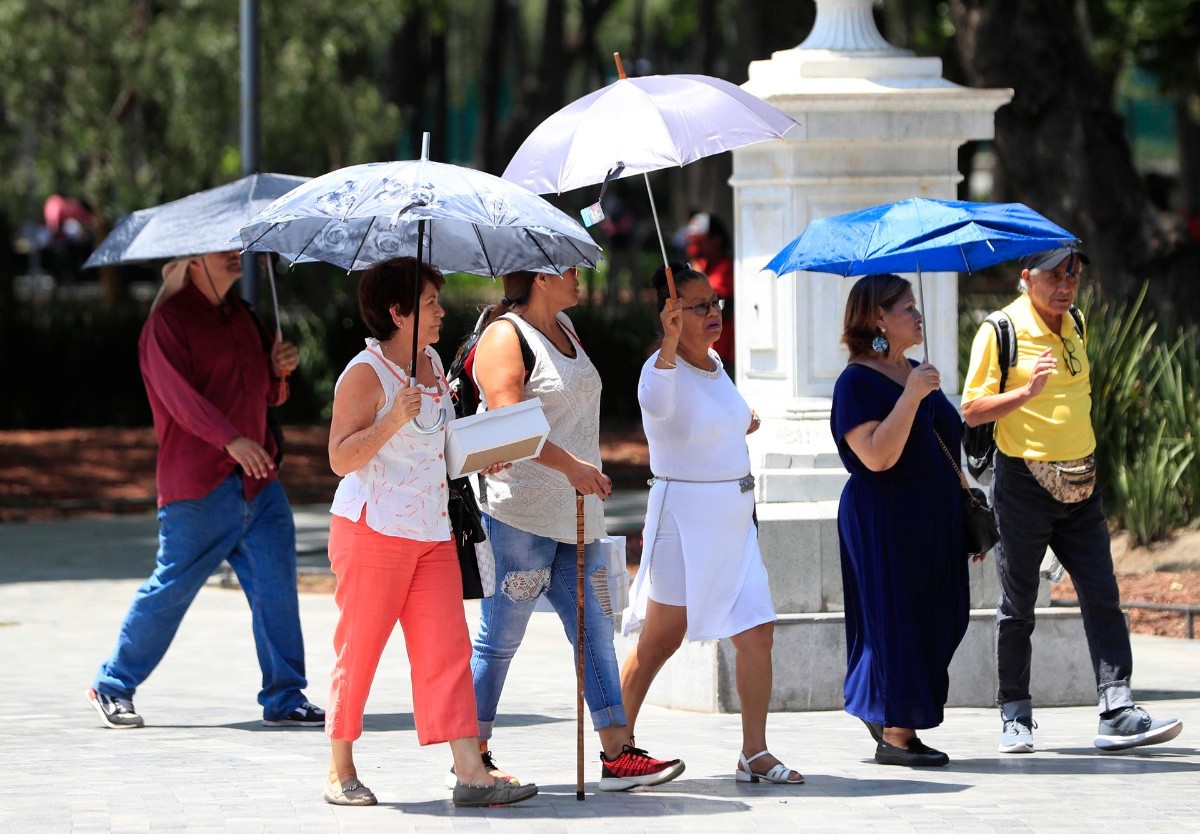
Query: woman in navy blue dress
(900, 525)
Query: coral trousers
(382, 579)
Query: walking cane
(579, 566)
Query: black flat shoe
(915, 754)
(876, 730)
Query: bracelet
(666, 363)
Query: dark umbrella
(199, 224)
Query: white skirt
(712, 566)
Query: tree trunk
(1060, 147)
(493, 75)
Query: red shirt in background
(208, 377)
(720, 275)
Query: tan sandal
(350, 792)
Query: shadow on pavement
(1080, 761)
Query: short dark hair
(392, 283)
(681, 273)
(869, 293)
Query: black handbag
(466, 525)
(980, 533)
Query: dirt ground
(72, 473)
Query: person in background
(702, 575)
(211, 369)
(530, 515)
(900, 524)
(1044, 494)
(708, 245)
(390, 543)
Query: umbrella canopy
(204, 222)
(919, 234)
(463, 220)
(645, 124)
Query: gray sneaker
(497, 793)
(117, 713)
(1017, 736)
(1133, 727)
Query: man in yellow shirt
(1045, 495)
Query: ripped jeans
(528, 566)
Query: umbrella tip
(620, 65)
(425, 145)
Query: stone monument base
(810, 666)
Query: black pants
(1030, 519)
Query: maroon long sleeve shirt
(208, 376)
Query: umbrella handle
(416, 424)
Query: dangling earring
(880, 343)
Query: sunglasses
(1069, 357)
(701, 309)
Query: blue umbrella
(919, 234)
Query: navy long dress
(904, 573)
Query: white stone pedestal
(876, 124)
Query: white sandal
(780, 774)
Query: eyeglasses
(701, 309)
(1069, 357)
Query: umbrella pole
(579, 568)
(274, 297)
(921, 300)
(661, 245)
(650, 192)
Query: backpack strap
(1006, 341)
(1077, 317)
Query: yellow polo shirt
(1056, 424)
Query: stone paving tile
(204, 763)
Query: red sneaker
(634, 768)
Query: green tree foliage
(128, 104)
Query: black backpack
(461, 378)
(979, 442)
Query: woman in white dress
(702, 575)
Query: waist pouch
(1067, 481)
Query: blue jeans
(1030, 519)
(258, 539)
(528, 566)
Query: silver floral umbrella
(461, 220)
(455, 218)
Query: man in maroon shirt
(211, 370)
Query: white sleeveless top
(536, 498)
(403, 487)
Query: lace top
(533, 497)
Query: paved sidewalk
(204, 762)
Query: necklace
(384, 349)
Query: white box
(506, 435)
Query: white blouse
(403, 487)
(695, 421)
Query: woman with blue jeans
(531, 521)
